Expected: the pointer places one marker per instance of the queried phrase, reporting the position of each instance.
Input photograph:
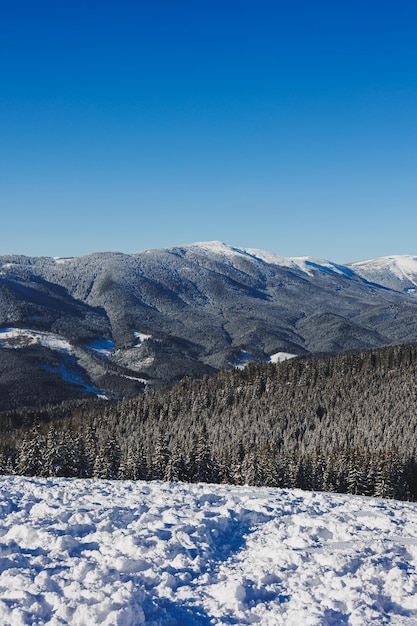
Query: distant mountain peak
(213, 247)
(304, 263)
(398, 271)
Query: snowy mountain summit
(394, 272)
(398, 272)
(148, 319)
(306, 264)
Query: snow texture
(132, 553)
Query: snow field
(85, 552)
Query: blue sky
(288, 126)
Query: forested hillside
(111, 324)
(345, 423)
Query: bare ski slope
(130, 553)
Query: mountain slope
(189, 310)
(395, 272)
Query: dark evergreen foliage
(345, 423)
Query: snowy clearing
(128, 553)
(23, 337)
(279, 357)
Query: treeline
(346, 423)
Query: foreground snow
(129, 553)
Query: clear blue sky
(288, 126)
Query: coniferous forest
(345, 423)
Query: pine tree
(78, 460)
(176, 469)
(107, 461)
(30, 452)
(202, 466)
(160, 458)
(252, 472)
(54, 457)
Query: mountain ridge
(201, 306)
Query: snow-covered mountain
(132, 553)
(395, 272)
(153, 317)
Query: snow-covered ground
(129, 553)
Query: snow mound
(132, 553)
